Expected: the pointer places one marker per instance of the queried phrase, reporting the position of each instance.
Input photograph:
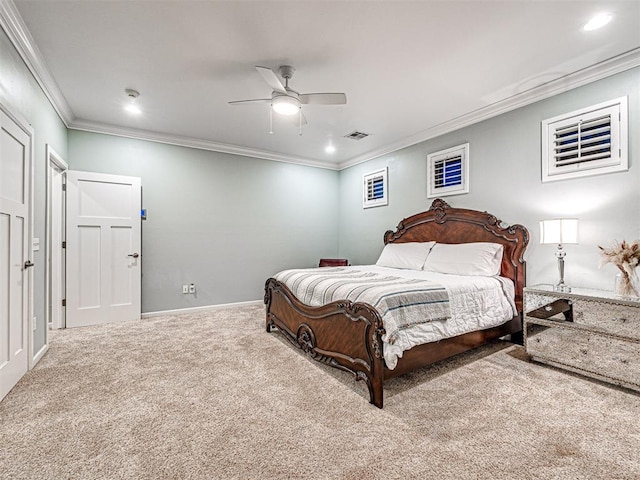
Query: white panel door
(15, 249)
(103, 248)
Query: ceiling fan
(286, 101)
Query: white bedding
(476, 303)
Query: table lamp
(559, 231)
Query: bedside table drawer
(616, 319)
(592, 313)
(601, 356)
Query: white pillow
(410, 255)
(480, 258)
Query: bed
(351, 335)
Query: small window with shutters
(375, 190)
(448, 172)
(590, 141)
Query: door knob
(134, 255)
(28, 264)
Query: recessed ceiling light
(598, 21)
(134, 109)
(330, 149)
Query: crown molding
(607, 68)
(181, 141)
(19, 35)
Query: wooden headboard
(444, 224)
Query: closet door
(103, 248)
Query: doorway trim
(51, 273)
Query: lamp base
(561, 287)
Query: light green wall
(20, 93)
(228, 222)
(505, 179)
(223, 222)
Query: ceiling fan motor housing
(286, 71)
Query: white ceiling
(410, 70)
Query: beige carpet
(212, 395)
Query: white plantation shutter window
(583, 141)
(375, 188)
(448, 171)
(375, 191)
(590, 141)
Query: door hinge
(64, 244)
(64, 187)
(64, 302)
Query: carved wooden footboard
(341, 334)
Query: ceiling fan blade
(257, 100)
(323, 98)
(271, 78)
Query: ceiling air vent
(356, 135)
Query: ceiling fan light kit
(286, 101)
(285, 105)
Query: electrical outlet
(185, 288)
(192, 288)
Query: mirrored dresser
(590, 332)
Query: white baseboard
(196, 309)
(38, 356)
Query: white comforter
(476, 303)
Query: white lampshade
(559, 230)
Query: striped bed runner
(401, 302)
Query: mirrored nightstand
(591, 332)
